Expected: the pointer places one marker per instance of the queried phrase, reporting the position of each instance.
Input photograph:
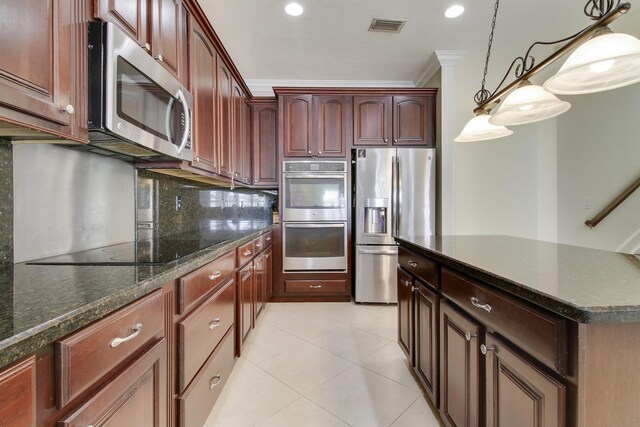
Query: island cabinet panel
(43, 68)
(265, 144)
(459, 369)
(134, 397)
(205, 107)
(297, 125)
(517, 392)
(405, 313)
(414, 120)
(333, 120)
(424, 269)
(131, 16)
(426, 339)
(18, 394)
(372, 120)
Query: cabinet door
(268, 273)
(413, 120)
(225, 145)
(259, 285)
(203, 88)
(18, 394)
(372, 120)
(518, 393)
(332, 122)
(135, 397)
(43, 80)
(426, 339)
(247, 149)
(245, 302)
(237, 134)
(167, 28)
(405, 314)
(129, 15)
(265, 144)
(297, 132)
(459, 369)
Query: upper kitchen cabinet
(265, 143)
(225, 144)
(42, 69)
(297, 129)
(247, 146)
(132, 16)
(414, 120)
(237, 132)
(372, 120)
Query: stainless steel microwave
(137, 109)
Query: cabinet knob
(319, 152)
(160, 58)
(395, 140)
(69, 109)
(309, 151)
(147, 47)
(413, 289)
(484, 349)
(255, 181)
(386, 140)
(468, 336)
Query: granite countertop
(42, 303)
(581, 284)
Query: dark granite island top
(42, 303)
(581, 284)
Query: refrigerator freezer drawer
(376, 274)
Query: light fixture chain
(483, 94)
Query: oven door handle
(305, 176)
(314, 225)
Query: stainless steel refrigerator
(395, 195)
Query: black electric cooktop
(160, 250)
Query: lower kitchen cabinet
(459, 369)
(405, 313)
(517, 392)
(18, 394)
(245, 280)
(426, 339)
(260, 285)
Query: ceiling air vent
(387, 25)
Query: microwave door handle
(187, 120)
(167, 119)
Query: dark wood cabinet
(268, 268)
(42, 69)
(426, 339)
(167, 45)
(18, 394)
(459, 369)
(265, 143)
(203, 88)
(247, 147)
(135, 396)
(224, 100)
(131, 16)
(297, 125)
(517, 392)
(245, 304)
(237, 139)
(414, 120)
(405, 313)
(260, 284)
(332, 117)
(372, 120)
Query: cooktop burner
(160, 250)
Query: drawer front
(18, 394)
(315, 286)
(259, 244)
(421, 267)
(196, 402)
(193, 287)
(202, 331)
(268, 239)
(540, 334)
(86, 356)
(245, 253)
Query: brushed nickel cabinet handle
(69, 109)
(469, 335)
(268, 239)
(484, 349)
(215, 275)
(147, 47)
(160, 58)
(214, 323)
(412, 263)
(247, 253)
(215, 381)
(413, 289)
(117, 341)
(315, 286)
(259, 245)
(476, 303)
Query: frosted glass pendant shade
(528, 104)
(479, 129)
(607, 61)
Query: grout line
(412, 403)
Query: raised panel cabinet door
(136, 396)
(268, 262)
(237, 133)
(203, 88)
(247, 149)
(265, 144)
(245, 303)
(372, 120)
(405, 314)
(259, 285)
(426, 339)
(131, 16)
(298, 129)
(43, 68)
(413, 120)
(18, 394)
(225, 143)
(459, 369)
(167, 29)
(332, 115)
(517, 392)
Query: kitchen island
(510, 331)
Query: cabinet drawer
(196, 402)
(202, 330)
(315, 286)
(540, 334)
(195, 286)
(86, 356)
(18, 394)
(421, 267)
(245, 253)
(268, 239)
(259, 244)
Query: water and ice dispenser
(375, 216)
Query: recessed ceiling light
(293, 9)
(454, 11)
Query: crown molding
(449, 57)
(429, 71)
(265, 86)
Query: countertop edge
(30, 341)
(605, 315)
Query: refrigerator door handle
(394, 197)
(398, 193)
(377, 252)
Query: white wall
(598, 157)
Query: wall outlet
(178, 203)
(587, 203)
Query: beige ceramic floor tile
(309, 326)
(251, 395)
(362, 398)
(268, 341)
(305, 367)
(277, 312)
(418, 414)
(302, 413)
(391, 363)
(351, 344)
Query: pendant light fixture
(480, 129)
(602, 60)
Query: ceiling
(331, 41)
